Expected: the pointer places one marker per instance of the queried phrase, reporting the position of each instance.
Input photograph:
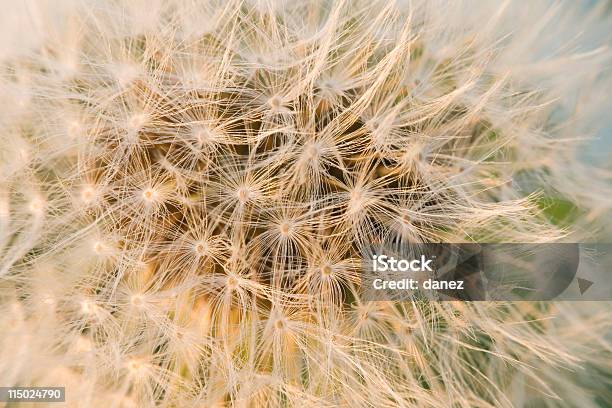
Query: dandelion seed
(74, 129)
(5, 210)
(24, 155)
(88, 194)
(232, 282)
(203, 136)
(37, 206)
(201, 248)
(356, 200)
(99, 247)
(275, 103)
(151, 195)
(126, 74)
(48, 300)
(243, 194)
(326, 270)
(137, 121)
(285, 228)
(88, 307)
(138, 301)
(136, 366)
(279, 324)
(83, 344)
(23, 100)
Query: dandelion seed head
(213, 172)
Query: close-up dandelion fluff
(188, 189)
